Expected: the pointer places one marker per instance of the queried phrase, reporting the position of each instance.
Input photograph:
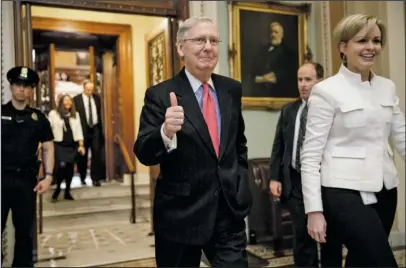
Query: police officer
(23, 129)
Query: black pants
(305, 253)
(363, 229)
(63, 171)
(94, 142)
(17, 194)
(227, 247)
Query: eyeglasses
(202, 41)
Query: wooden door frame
(125, 64)
(170, 8)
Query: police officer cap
(23, 75)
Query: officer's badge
(34, 116)
(24, 72)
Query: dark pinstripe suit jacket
(186, 196)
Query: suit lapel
(81, 106)
(187, 99)
(225, 100)
(292, 113)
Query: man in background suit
(284, 172)
(193, 127)
(88, 105)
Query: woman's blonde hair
(349, 26)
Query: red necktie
(209, 114)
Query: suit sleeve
(398, 128)
(242, 149)
(319, 120)
(149, 146)
(277, 151)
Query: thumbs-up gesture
(173, 118)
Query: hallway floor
(89, 239)
(123, 245)
(96, 246)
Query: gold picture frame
(267, 12)
(157, 54)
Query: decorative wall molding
(206, 9)
(7, 47)
(396, 42)
(326, 33)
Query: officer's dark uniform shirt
(21, 133)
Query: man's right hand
(276, 188)
(174, 117)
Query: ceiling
(69, 41)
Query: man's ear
(179, 47)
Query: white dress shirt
(171, 144)
(296, 134)
(346, 145)
(94, 110)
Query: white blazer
(57, 124)
(348, 126)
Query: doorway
(110, 66)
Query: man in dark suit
(284, 172)
(88, 105)
(193, 127)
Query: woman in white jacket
(349, 178)
(68, 140)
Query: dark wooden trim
(51, 75)
(125, 62)
(182, 9)
(28, 34)
(18, 33)
(154, 8)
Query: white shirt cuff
(170, 144)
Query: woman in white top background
(348, 175)
(68, 141)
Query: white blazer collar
(354, 77)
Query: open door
(45, 66)
(159, 62)
(110, 113)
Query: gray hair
(189, 24)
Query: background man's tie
(209, 114)
(90, 123)
(301, 136)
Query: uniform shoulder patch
(34, 116)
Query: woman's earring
(344, 58)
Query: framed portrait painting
(268, 44)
